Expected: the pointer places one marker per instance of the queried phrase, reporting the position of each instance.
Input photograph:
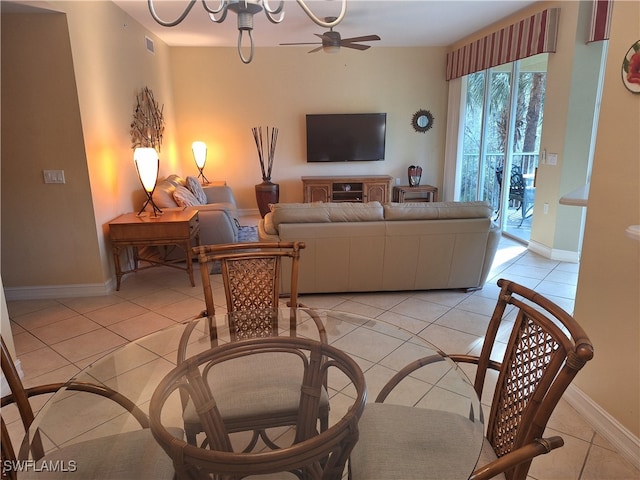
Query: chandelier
(245, 10)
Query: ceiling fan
(332, 41)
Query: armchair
(251, 277)
(311, 455)
(133, 454)
(544, 352)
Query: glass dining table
(379, 348)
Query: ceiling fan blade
(315, 49)
(357, 46)
(366, 38)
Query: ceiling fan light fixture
(332, 41)
(245, 10)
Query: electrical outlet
(545, 208)
(53, 176)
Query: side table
(419, 193)
(174, 227)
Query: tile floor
(54, 339)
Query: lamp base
(202, 178)
(155, 209)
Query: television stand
(354, 188)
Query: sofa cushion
(163, 193)
(436, 210)
(184, 197)
(325, 212)
(194, 185)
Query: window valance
(600, 20)
(531, 36)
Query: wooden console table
(419, 193)
(173, 227)
(356, 188)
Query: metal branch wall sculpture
(147, 126)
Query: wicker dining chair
(251, 274)
(132, 454)
(545, 350)
(312, 454)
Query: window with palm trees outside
(501, 130)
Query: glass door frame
(504, 217)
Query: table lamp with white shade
(200, 156)
(147, 165)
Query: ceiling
(399, 23)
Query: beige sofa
(357, 247)
(218, 216)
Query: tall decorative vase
(266, 193)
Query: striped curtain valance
(600, 20)
(533, 35)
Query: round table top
(380, 349)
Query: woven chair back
(251, 273)
(545, 351)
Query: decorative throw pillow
(184, 197)
(194, 185)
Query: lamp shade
(147, 165)
(199, 153)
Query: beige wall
(75, 76)
(111, 66)
(45, 228)
(218, 100)
(607, 300)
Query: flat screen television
(346, 137)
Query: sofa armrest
(219, 194)
(217, 225)
(264, 235)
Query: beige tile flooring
(56, 338)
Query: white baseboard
(554, 253)
(625, 442)
(58, 291)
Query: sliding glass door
(501, 140)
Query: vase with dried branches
(267, 192)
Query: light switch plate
(53, 176)
(552, 158)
